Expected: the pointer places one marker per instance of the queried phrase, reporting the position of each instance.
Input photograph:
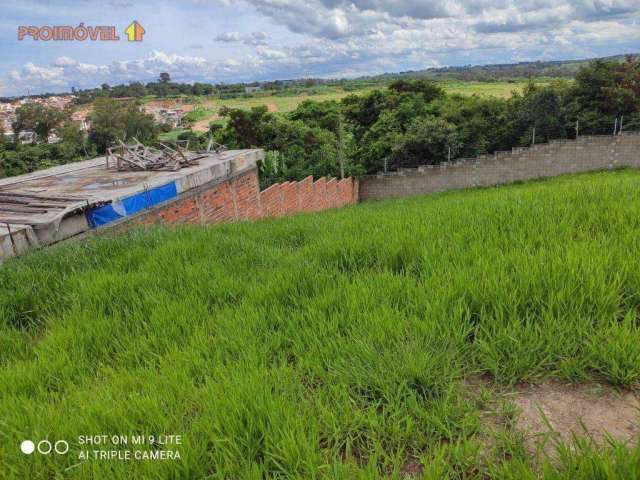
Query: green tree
(72, 145)
(539, 108)
(244, 128)
(482, 123)
(428, 140)
(113, 120)
(429, 90)
(39, 118)
(362, 111)
(604, 91)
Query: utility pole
(449, 156)
(385, 164)
(615, 126)
(577, 128)
(533, 139)
(620, 129)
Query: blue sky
(233, 40)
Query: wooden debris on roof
(136, 156)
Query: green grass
(284, 103)
(172, 135)
(332, 345)
(198, 113)
(289, 103)
(487, 89)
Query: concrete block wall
(540, 161)
(238, 197)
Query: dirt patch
(272, 107)
(203, 125)
(554, 411)
(412, 469)
(170, 104)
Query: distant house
(27, 136)
(252, 89)
(172, 117)
(81, 117)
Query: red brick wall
(245, 190)
(305, 194)
(291, 203)
(271, 200)
(240, 198)
(332, 193)
(320, 195)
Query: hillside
(384, 340)
(506, 71)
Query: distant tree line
(413, 122)
(164, 87)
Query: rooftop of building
(45, 196)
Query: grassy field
(289, 103)
(172, 135)
(207, 110)
(333, 345)
(487, 89)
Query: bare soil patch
(555, 411)
(412, 469)
(272, 107)
(203, 125)
(170, 104)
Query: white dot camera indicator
(61, 447)
(27, 447)
(44, 447)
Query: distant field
(287, 103)
(343, 345)
(172, 135)
(486, 89)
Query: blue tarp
(128, 206)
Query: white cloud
(67, 72)
(352, 37)
(38, 77)
(272, 53)
(64, 62)
(335, 19)
(228, 37)
(253, 38)
(257, 38)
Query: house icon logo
(135, 32)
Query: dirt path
(203, 125)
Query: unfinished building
(51, 205)
(142, 185)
